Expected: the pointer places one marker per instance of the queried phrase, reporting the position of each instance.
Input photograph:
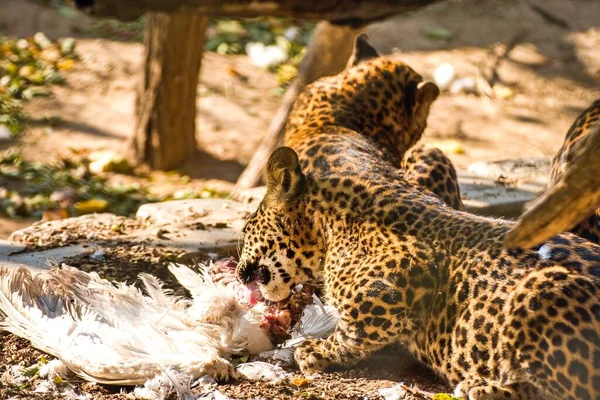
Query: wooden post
(164, 136)
(327, 54)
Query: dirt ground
(553, 73)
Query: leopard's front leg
(351, 342)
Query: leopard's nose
(246, 272)
(263, 275)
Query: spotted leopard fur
(401, 265)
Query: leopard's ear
(285, 180)
(362, 50)
(427, 92)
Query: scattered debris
(262, 371)
(108, 161)
(503, 54)
(503, 92)
(5, 133)
(25, 66)
(69, 187)
(273, 43)
(395, 392)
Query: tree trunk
(164, 136)
(327, 54)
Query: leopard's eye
(279, 224)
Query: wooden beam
(327, 54)
(346, 12)
(575, 196)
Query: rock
(443, 76)
(464, 85)
(12, 256)
(5, 133)
(501, 188)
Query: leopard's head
(282, 247)
(378, 96)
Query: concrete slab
(215, 225)
(528, 169)
(42, 260)
(485, 196)
(9, 252)
(189, 226)
(502, 188)
(498, 189)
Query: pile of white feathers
(119, 334)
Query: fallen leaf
(300, 381)
(503, 92)
(54, 215)
(449, 146)
(91, 206)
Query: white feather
(545, 252)
(114, 333)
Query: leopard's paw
(309, 358)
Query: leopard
(402, 262)
(589, 226)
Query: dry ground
(554, 73)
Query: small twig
(418, 393)
(510, 46)
(549, 17)
(483, 86)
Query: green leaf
(438, 33)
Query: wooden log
(164, 137)
(327, 54)
(353, 12)
(574, 197)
